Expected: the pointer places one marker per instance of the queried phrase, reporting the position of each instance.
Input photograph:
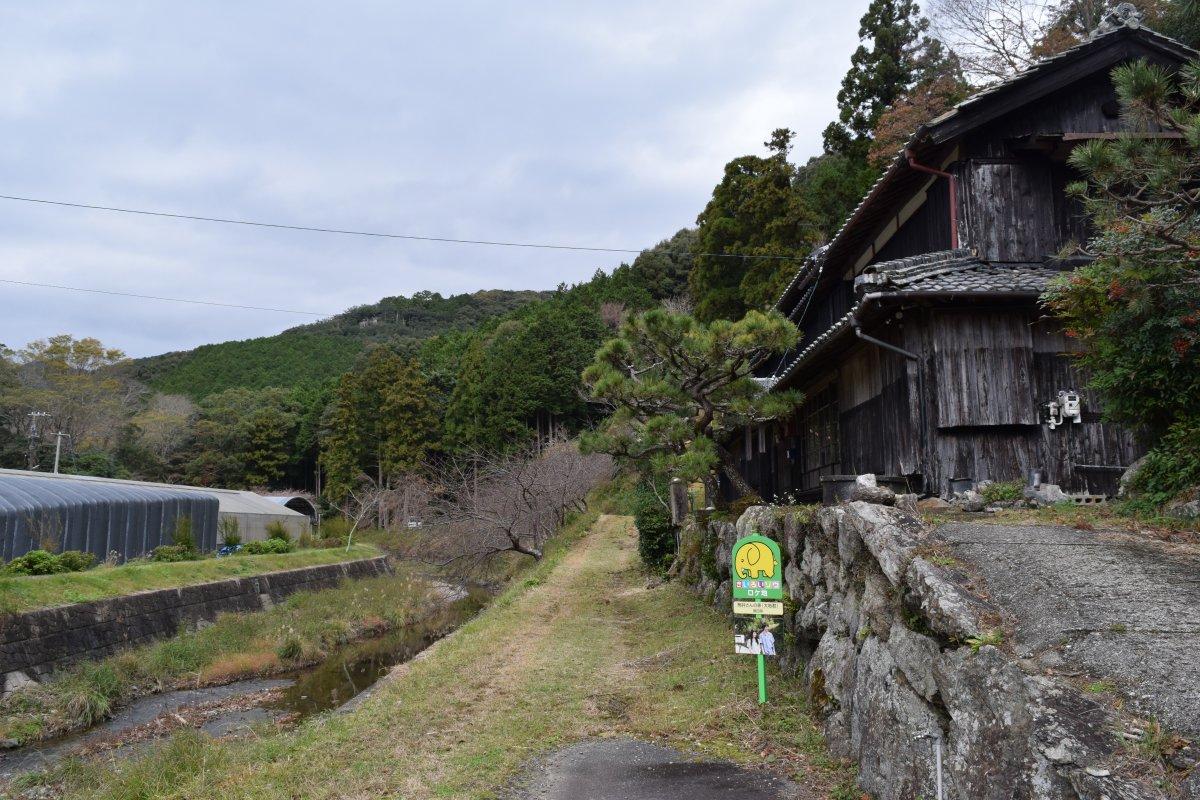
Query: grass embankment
(298, 631)
(28, 592)
(579, 647)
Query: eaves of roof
(938, 130)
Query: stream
(236, 708)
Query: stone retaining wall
(37, 642)
(882, 624)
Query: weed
(1100, 687)
(290, 649)
(229, 528)
(994, 637)
(1156, 741)
(277, 530)
(1002, 492)
(1118, 627)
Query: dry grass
(570, 653)
(236, 666)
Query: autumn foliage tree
(1136, 306)
(675, 384)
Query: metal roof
(232, 501)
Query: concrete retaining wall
(38, 642)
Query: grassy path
(582, 648)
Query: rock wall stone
(38, 642)
(899, 651)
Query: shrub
(41, 562)
(229, 529)
(76, 561)
(1173, 466)
(183, 533)
(35, 562)
(277, 530)
(1002, 492)
(334, 528)
(290, 649)
(89, 692)
(268, 546)
(656, 535)
(173, 552)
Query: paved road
(624, 769)
(1109, 605)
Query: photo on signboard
(753, 637)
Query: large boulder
(763, 520)
(867, 490)
(1125, 486)
(1185, 507)
(889, 728)
(947, 607)
(1047, 494)
(891, 535)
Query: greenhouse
(59, 513)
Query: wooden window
(821, 439)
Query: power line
(382, 235)
(165, 299)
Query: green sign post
(757, 573)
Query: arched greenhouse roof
(67, 514)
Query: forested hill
(322, 350)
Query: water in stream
(328, 685)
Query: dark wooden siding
(1010, 210)
(1083, 457)
(875, 411)
(983, 369)
(875, 432)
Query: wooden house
(925, 354)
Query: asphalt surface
(1105, 605)
(624, 769)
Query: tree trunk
(729, 467)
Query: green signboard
(757, 576)
(757, 591)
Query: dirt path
(584, 651)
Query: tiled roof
(953, 272)
(900, 163)
(950, 272)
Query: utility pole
(58, 437)
(33, 436)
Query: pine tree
(676, 384)
(893, 57)
(751, 235)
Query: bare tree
(508, 504)
(996, 38)
(389, 506)
(993, 38)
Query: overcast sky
(602, 124)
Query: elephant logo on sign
(754, 560)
